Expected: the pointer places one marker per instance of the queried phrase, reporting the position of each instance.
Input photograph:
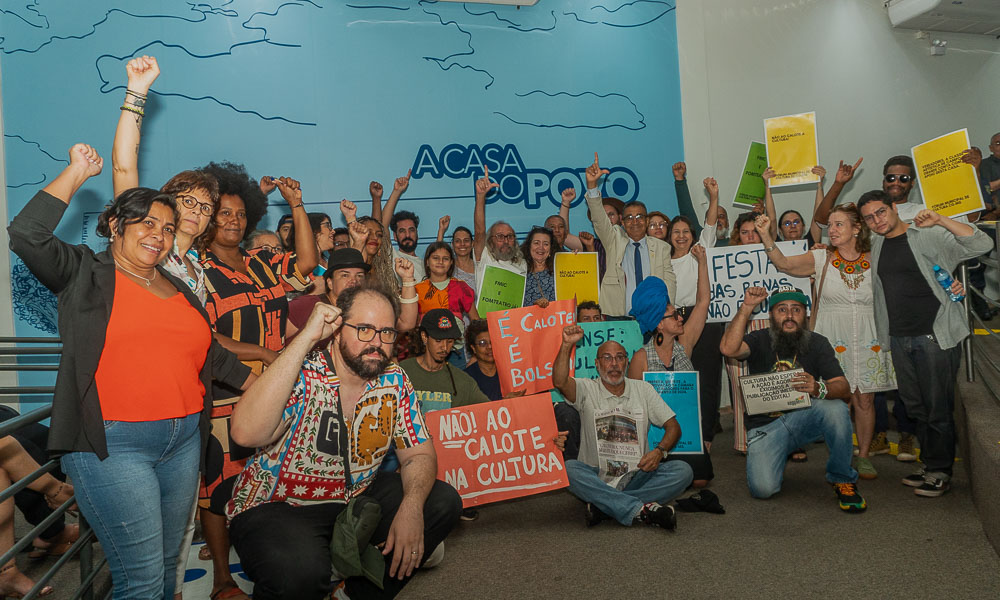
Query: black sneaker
(932, 487)
(849, 497)
(654, 513)
(593, 515)
(916, 479)
(469, 514)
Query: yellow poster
(576, 276)
(949, 186)
(792, 150)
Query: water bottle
(945, 280)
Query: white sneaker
(435, 558)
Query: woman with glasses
(322, 230)
(657, 225)
(538, 249)
(484, 369)
(791, 224)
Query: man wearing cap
(284, 231)
(616, 475)
(787, 344)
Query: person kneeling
(787, 344)
(323, 421)
(616, 413)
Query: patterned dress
(176, 267)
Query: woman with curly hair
(844, 313)
(539, 250)
(248, 307)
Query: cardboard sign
(792, 148)
(576, 276)
(948, 185)
(772, 392)
(732, 269)
(752, 187)
(498, 450)
(525, 343)
(625, 333)
(679, 389)
(499, 289)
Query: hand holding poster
(772, 392)
(498, 450)
(679, 389)
(525, 343)
(792, 149)
(751, 187)
(576, 276)
(499, 289)
(949, 186)
(733, 269)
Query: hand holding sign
(804, 382)
(819, 170)
(974, 157)
(594, 174)
(767, 175)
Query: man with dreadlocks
(787, 344)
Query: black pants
(707, 360)
(285, 549)
(568, 419)
(34, 438)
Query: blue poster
(679, 389)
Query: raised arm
(407, 295)
(375, 190)
(443, 224)
(142, 72)
(699, 314)
(814, 228)
(602, 224)
(845, 173)
(398, 187)
(560, 370)
(684, 203)
(306, 252)
(769, 203)
(712, 216)
(732, 344)
(800, 265)
(483, 187)
(572, 242)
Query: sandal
(799, 456)
(58, 546)
(14, 584)
(205, 553)
(229, 589)
(63, 493)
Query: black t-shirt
(911, 303)
(488, 385)
(819, 361)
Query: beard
(609, 379)
(722, 234)
(511, 254)
(365, 368)
(789, 343)
(407, 245)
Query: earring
(111, 239)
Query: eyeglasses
(891, 178)
(794, 222)
(504, 237)
(613, 357)
(483, 343)
(366, 333)
(269, 248)
(674, 315)
(878, 214)
(340, 244)
(191, 202)
(634, 218)
(658, 225)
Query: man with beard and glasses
(616, 475)
(787, 345)
(496, 246)
(324, 421)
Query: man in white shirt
(496, 246)
(615, 475)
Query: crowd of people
(286, 375)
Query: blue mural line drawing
(378, 6)
(642, 117)
(512, 24)
(39, 146)
(20, 185)
(33, 302)
(596, 6)
(26, 22)
(669, 10)
(368, 201)
(440, 61)
(274, 14)
(657, 17)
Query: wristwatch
(664, 452)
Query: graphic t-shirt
(447, 387)
(323, 456)
(819, 360)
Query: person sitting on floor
(787, 344)
(484, 369)
(616, 413)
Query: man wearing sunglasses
(917, 320)
(616, 474)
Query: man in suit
(631, 254)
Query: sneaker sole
(878, 451)
(906, 457)
(850, 508)
(930, 493)
(867, 475)
(913, 483)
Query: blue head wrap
(649, 302)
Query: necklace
(148, 280)
(852, 272)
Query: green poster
(751, 188)
(499, 289)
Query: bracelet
(771, 249)
(411, 283)
(822, 390)
(133, 109)
(294, 206)
(136, 94)
(403, 300)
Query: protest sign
(732, 269)
(948, 185)
(499, 289)
(576, 276)
(525, 343)
(751, 187)
(679, 389)
(498, 450)
(772, 392)
(792, 150)
(625, 333)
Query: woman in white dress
(844, 313)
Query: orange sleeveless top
(154, 350)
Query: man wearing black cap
(284, 231)
(771, 437)
(345, 269)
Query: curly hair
(434, 247)
(130, 207)
(403, 215)
(526, 246)
(734, 237)
(234, 180)
(862, 243)
(473, 330)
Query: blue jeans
(664, 484)
(926, 375)
(138, 499)
(768, 446)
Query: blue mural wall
(337, 94)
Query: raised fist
(587, 239)
(443, 223)
(712, 186)
(142, 72)
(87, 159)
(680, 170)
(267, 184)
(754, 296)
(375, 189)
(290, 189)
(349, 210)
(572, 334)
(568, 195)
